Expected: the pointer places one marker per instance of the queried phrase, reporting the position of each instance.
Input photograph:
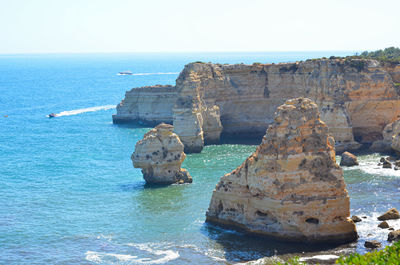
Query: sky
(82, 26)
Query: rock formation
(389, 132)
(357, 98)
(390, 214)
(291, 187)
(394, 236)
(160, 155)
(348, 160)
(148, 105)
(372, 244)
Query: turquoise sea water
(70, 195)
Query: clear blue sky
(47, 26)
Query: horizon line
(172, 52)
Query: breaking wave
(79, 111)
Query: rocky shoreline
(357, 98)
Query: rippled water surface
(69, 193)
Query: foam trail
(169, 73)
(79, 111)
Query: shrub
(389, 255)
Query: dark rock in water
(387, 164)
(383, 225)
(372, 244)
(364, 217)
(356, 219)
(391, 229)
(396, 168)
(391, 214)
(397, 163)
(394, 236)
(382, 160)
(348, 160)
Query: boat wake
(168, 73)
(79, 111)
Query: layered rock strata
(160, 155)
(291, 188)
(357, 98)
(147, 105)
(390, 132)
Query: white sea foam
(155, 256)
(169, 73)
(320, 257)
(99, 257)
(168, 254)
(79, 111)
(369, 165)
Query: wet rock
(383, 225)
(391, 229)
(390, 214)
(372, 244)
(387, 164)
(348, 160)
(291, 187)
(394, 236)
(397, 163)
(160, 155)
(383, 160)
(356, 219)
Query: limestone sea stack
(291, 188)
(160, 155)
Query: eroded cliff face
(357, 98)
(291, 187)
(148, 105)
(160, 155)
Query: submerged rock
(291, 187)
(160, 155)
(348, 160)
(372, 244)
(390, 214)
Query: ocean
(70, 195)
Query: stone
(212, 125)
(389, 215)
(382, 160)
(356, 103)
(394, 236)
(188, 125)
(348, 160)
(160, 155)
(385, 145)
(391, 229)
(386, 164)
(372, 244)
(383, 225)
(148, 105)
(397, 163)
(291, 188)
(356, 219)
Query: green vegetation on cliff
(389, 255)
(390, 54)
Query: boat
(52, 115)
(125, 73)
